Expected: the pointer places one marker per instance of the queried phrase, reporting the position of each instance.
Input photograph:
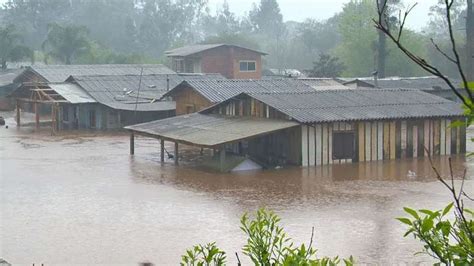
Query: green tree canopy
(11, 48)
(66, 43)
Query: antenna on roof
(167, 82)
(138, 94)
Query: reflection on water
(84, 200)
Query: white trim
(248, 61)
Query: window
(178, 65)
(342, 145)
(248, 66)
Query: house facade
(321, 127)
(232, 61)
(195, 95)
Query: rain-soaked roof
(72, 93)
(59, 73)
(121, 92)
(198, 48)
(209, 130)
(359, 105)
(220, 90)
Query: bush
(267, 244)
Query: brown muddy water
(81, 199)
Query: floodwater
(82, 199)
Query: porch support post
(176, 153)
(37, 116)
(132, 143)
(222, 158)
(53, 119)
(162, 150)
(18, 120)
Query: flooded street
(84, 200)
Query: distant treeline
(133, 31)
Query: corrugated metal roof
(220, 90)
(324, 84)
(198, 48)
(120, 92)
(59, 73)
(72, 93)
(210, 130)
(421, 83)
(350, 105)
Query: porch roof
(209, 130)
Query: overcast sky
(298, 10)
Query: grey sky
(298, 10)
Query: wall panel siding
(379, 141)
(415, 141)
(393, 148)
(330, 144)
(386, 140)
(427, 138)
(436, 135)
(361, 136)
(403, 139)
(318, 144)
(442, 142)
(458, 140)
(373, 142)
(448, 137)
(304, 145)
(311, 146)
(325, 144)
(368, 138)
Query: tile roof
(121, 92)
(59, 73)
(198, 48)
(220, 90)
(357, 105)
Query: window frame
(247, 63)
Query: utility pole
(382, 45)
(470, 41)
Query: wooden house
(320, 127)
(232, 61)
(429, 84)
(195, 95)
(110, 99)
(7, 85)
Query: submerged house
(195, 95)
(108, 99)
(232, 61)
(7, 85)
(429, 84)
(318, 127)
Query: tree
(10, 47)
(267, 18)
(358, 34)
(319, 36)
(65, 43)
(470, 40)
(267, 244)
(327, 67)
(167, 23)
(451, 243)
(33, 17)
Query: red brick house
(232, 61)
